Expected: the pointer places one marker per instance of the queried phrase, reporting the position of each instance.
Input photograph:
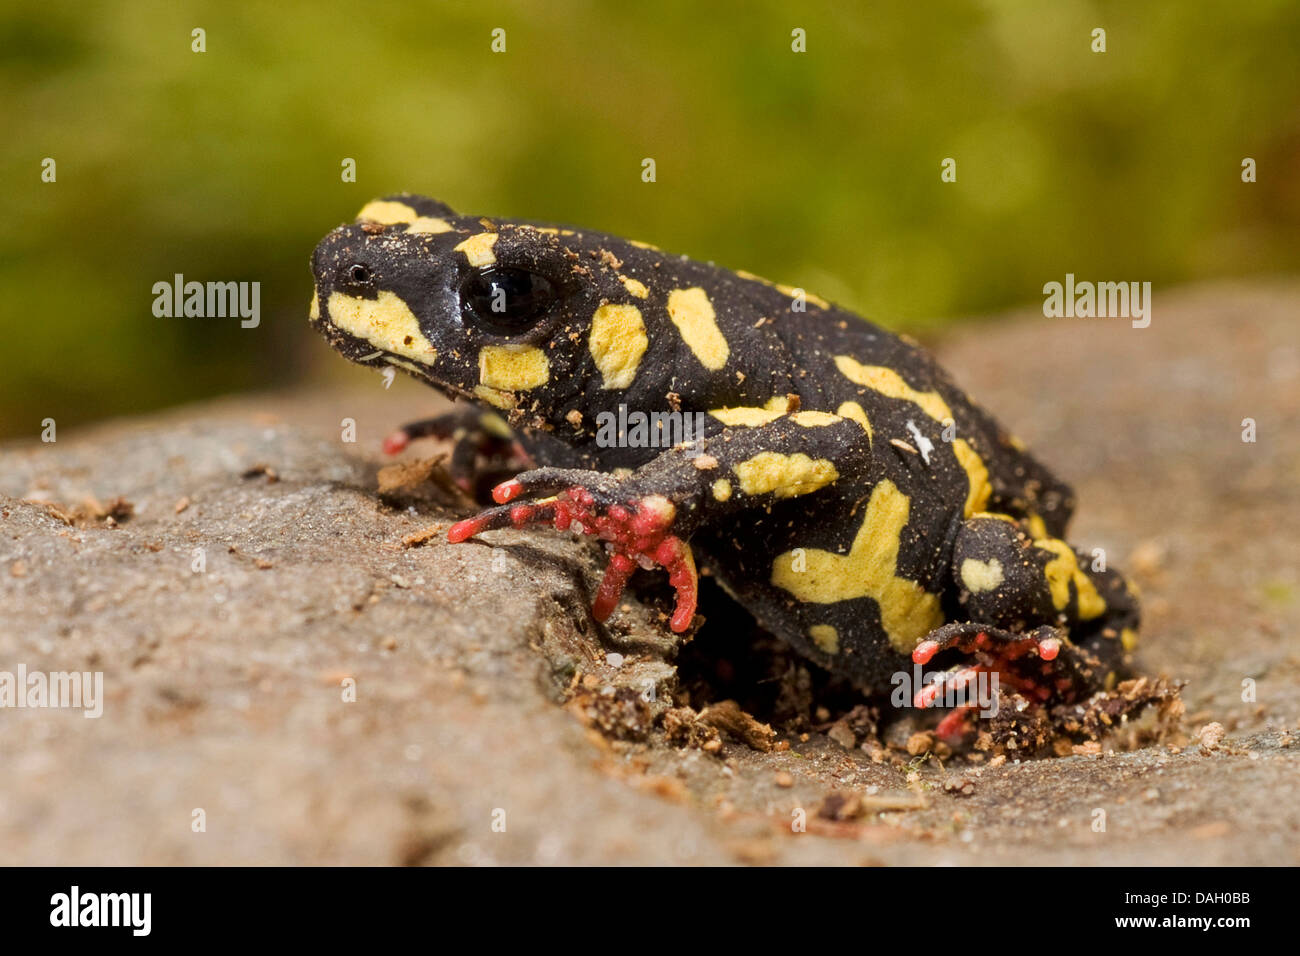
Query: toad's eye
(357, 276)
(506, 301)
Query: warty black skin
(919, 469)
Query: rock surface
(232, 572)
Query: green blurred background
(820, 169)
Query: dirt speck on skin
(261, 617)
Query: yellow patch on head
(980, 576)
(692, 313)
(815, 419)
(617, 342)
(907, 611)
(634, 287)
(825, 637)
(722, 490)
(402, 363)
(429, 225)
(888, 382)
(387, 212)
(1063, 569)
(502, 400)
(313, 313)
(784, 475)
(512, 368)
(387, 323)
(854, 412)
(478, 249)
(976, 473)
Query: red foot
(1012, 660)
(638, 534)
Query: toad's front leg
(474, 434)
(648, 517)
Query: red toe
(396, 442)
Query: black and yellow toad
(838, 484)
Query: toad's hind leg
(1011, 578)
(1033, 613)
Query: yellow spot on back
(888, 382)
(815, 419)
(995, 514)
(643, 245)
(976, 473)
(636, 288)
(1063, 569)
(722, 490)
(387, 212)
(745, 416)
(784, 475)
(979, 576)
(752, 416)
(617, 342)
(692, 313)
(791, 291)
(1128, 638)
(429, 225)
(825, 637)
(854, 412)
(314, 312)
(478, 249)
(387, 323)
(512, 368)
(785, 289)
(907, 611)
